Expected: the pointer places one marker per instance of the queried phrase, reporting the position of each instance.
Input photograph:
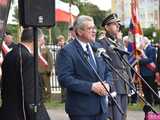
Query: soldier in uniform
(112, 39)
(45, 70)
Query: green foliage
(13, 30)
(72, 1)
(148, 32)
(59, 29)
(85, 9)
(135, 107)
(15, 15)
(93, 11)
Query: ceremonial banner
(135, 22)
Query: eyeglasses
(90, 28)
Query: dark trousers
(89, 117)
(113, 112)
(148, 94)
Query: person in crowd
(45, 70)
(18, 83)
(129, 47)
(158, 65)
(7, 43)
(61, 43)
(72, 34)
(8, 39)
(147, 69)
(113, 38)
(85, 94)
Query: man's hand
(99, 89)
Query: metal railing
(55, 87)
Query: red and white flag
(65, 12)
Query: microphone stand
(147, 105)
(101, 81)
(126, 62)
(35, 104)
(111, 66)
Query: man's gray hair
(80, 21)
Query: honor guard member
(113, 38)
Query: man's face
(42, 41)
(88, 32)
(61, 42)
(8, 39)
(112, 27)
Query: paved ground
(59, 114)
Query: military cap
(70, 28)
(110, 19)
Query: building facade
(148, 10)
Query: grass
(135, 107)
(54, 104)
(139, 107)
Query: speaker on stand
(36, 13)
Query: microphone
(121, 51)
(101, 52)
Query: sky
(102, 4)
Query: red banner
(136, 28)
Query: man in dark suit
(18, 82)
(8, 39)
(158, 65)
(85, 94)
(112, 39)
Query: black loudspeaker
(37, 13)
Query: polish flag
(65, 12)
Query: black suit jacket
(18, 92)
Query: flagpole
(135, 30)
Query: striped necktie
(90, 58)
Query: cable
(22, 80)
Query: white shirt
(83, 45)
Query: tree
(94, 12)
(15, 15)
